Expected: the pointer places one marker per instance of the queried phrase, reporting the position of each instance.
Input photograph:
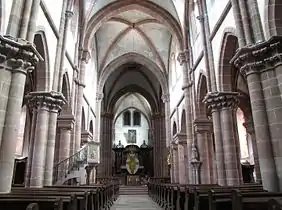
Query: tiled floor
(138, 202)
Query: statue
(195, 154)
(119, 145)
(144, 145)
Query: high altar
(133, 164)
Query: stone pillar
(105, 167)
(157, 145)
(175, 167)
(165, 142)
(65, 126)
(257, 63)
(180, 140)
(97, 135)
(183, 59)
(225, 103)
(251, 131)
(84, 58)
(204, 129)
(17, 57)
(47, 104)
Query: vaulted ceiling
(134, 31)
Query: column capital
(79, 83)
(86, 136)
(108, 115)
(180, 139)
(218, 100)
(189, 84)
(166, 97)
(203, 126)
(249, 125)
(157, 116)
(69, 13)
(84, 55)
(183, 57)
(19, 54)
(52, 101)
(259, 57)
(99, 96)
(66, 121)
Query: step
(133, 190)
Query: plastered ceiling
(134, 31)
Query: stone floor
(138, 202)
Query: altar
(132, 180)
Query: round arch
(129, 58)
(117, 7)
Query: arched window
(174, 129)
(91, 127)
(127, 118)
(136, 118)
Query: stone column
(266, 108)
(251, 131)
(84, 58)
(48, 104)
(183, 59)
(157, 150)
(105, 167)
(204, 129)
(99, 98)
(165, 142)
(65, 126)
(175, 166)
(17, 57)
(180, 140)
(225, 102)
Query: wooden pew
(61, 198)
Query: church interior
(131, 104)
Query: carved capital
(183, 57)
(66, 121)
(69, 14)
(218, 100)
(84, 55)
(166, 97)
(107, 115)
(99, 96)
(52, 101)
(188, 85)
(249, 125)
(180, 139)
(19, 54)
(259, 57)
(86, 136)
(203, 126)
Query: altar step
(133, 190)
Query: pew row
(61, 198)
(213, 197)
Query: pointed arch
(226, 69)
(91, 129)
(42, 72)
(174, 128)
(83, 120)
(202, 91)
(183, 122)
(273, 23)
(66, 87)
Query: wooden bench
(61, 198)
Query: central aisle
(138, 202)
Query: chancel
(152, 104)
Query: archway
(273, 17)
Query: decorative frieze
(183, 57)
(218, 100)
(259, 57)
(53, 101)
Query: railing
(159, 180)
(65, 167)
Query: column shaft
(50, 148)
(230, 154)
(266, 159)
(39, 148)
(246, 22)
